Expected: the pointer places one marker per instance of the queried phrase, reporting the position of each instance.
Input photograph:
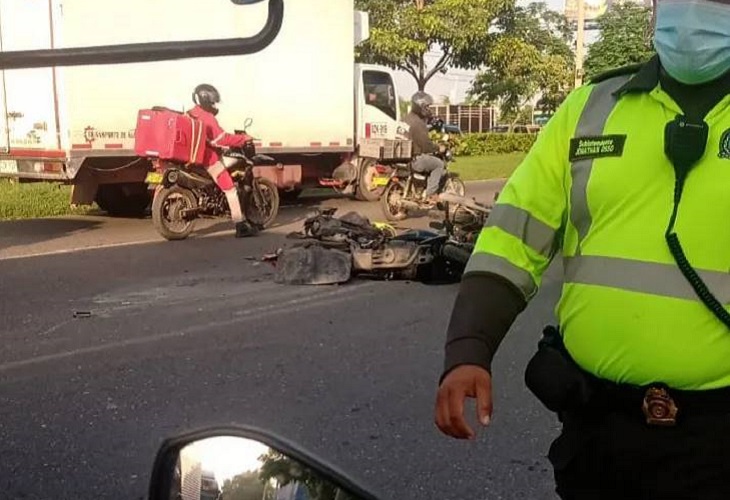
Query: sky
(228, 456)
(456, 83)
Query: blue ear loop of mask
(692, 39)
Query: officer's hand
(466, 381)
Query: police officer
(630, 183)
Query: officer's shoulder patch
(613, 73)
(724, 152)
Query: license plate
(380, 181)
(8, 167)
(153, 178)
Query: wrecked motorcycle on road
(334, 249)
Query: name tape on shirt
(585, 148)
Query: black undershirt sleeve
(485, 308)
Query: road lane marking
(280, 308)
(78, 249)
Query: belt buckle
(659, 407)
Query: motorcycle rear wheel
(167, 207)
(389, 202)
(261, 204)
(454, 185)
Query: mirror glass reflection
(235, 468)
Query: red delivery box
(169, 135)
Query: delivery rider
(630, 182)
(206, 99)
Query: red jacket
(217, 139)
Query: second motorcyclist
(424, 161)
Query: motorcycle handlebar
(150, 52)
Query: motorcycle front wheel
(167, 209)
(261, 203)
(454, 185)
(390, 202)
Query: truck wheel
(167, 207)
(365, 189)
(123, 200)
(290, 196)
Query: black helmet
(421, 104)
(207, 97)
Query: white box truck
(313, 108)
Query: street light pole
(580, 43)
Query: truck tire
(123, 200)
(365, 190)
(290, 196)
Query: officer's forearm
(485, 309)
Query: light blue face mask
(692, 39)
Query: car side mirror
(221, 463)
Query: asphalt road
(189, 334)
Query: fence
(470, 119)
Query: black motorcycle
(406, 189)
(183, 194)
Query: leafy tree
(530, 55)
(625, 38)
(245, 486)
(403, 32)
(285, 470)
(523, 115)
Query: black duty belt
(660, 405)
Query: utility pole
(580, 43)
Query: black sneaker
(244, 229)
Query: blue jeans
(434, 167)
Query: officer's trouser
(618, 456)
(434, 167)
(223, 179)
(608, 450)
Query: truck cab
(377, 112)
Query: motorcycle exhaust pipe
(185, 180)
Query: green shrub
(493, 144)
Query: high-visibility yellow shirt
(597, 188)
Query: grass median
(479, 168)
(29, 200)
